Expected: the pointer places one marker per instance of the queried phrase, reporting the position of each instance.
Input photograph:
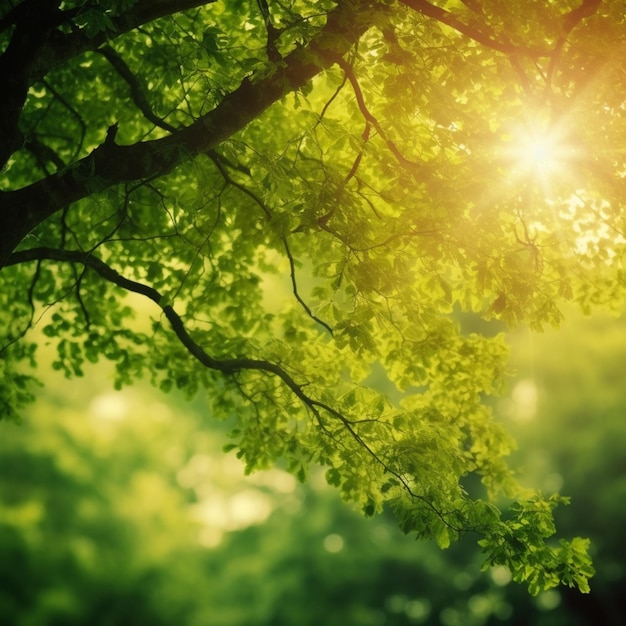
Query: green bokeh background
(121, 508)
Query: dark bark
(483, 36)
(61, 47)
(111, 164)
(38, 46)
(488, 38)
(33, 25)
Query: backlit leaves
(313, 272)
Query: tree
(404, 169)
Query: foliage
(147, 493)
(307, 192)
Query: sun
(539, 152)
(544, 153)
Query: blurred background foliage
(121, 508)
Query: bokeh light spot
(501, 575)
(525, 399)
(109, 406)
(417, 610)
(333, 543)
(548, 600)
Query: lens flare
(545, 154)
(540, 152)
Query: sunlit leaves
(16, 388)
(519, 544)
(344, 231)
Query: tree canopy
(321, 204)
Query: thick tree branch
(37, 46)
(64, 46)
(111, 164)
(586, 9)
(570, 21)
(485, 36)
(33, 26)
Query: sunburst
(545, 153)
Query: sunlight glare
(542, 152)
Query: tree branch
(586, 9)
(89, 260)
(43, 154)
(369, 117)
(136, 90)
(272, 33)
(294, 288)
(569, 22)
(292, 266)
(64, 46)
(225, 366)
(488, 38)
(111, 164)
(37, 46)
(33, 25)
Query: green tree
(386, 165)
